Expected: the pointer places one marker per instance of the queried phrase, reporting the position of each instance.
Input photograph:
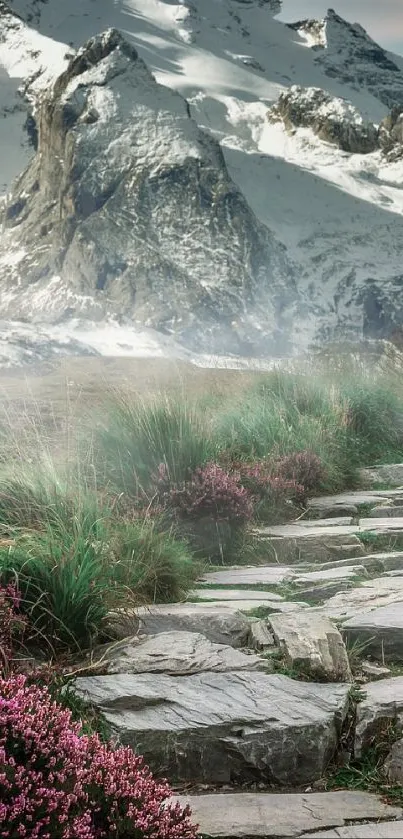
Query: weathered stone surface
(311, 546)
(261, 636)
(176, 654)
(374, 671)
(381, 629)
(221, 623)
(381, 561)
(274, 816)
(391, 474)
(222, 727)
(383, 523)
(350, 572)
(234, 594)
(383, 705)
(255, 575)
(335, 510)
(380, 830)
(333, 120)
(393, 766)
(310, 642)
(381, 591)
(358, 499)
(388, 511)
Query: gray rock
(358, 498)
(273, 816)
(349, 572)
(302, 546)
(222, 727)
(250, 576)
(380, 830)
(382, 706)
(261, 636)
(335, 511)
(391, 474)
(393, 766)
(380, 629)
(374, 671)
(312, 644)
(332, 119)
(233, 594)
(221, 623)
(381, 591)
(388, 511)
(176, 654)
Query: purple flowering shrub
(305, 467)
(57, 783)
(210, 491)
(12, 625)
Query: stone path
(294, 816)
(249, 680)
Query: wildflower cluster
(211, 490)
(57, 783)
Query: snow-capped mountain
(201, 169)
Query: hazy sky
(383, 19)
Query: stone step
(233, 594)
(310, 547)
(221, 728)
(290, 815)
(249, 575)
(369, 596)
(371, 830)
(360, 498)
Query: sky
(383, 19)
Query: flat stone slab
(383, 560)
(176, 654)
(235, 594)
(334, 521)
(370, 595)
(224, 727)
(357, 498)
(221, 623)
(382, 523)
(388, 511)
(346, 573)
(299, 531)
(381, 630)
(273, 815)
(383, 704)
(312, 644)
(310, 547)
(378, 830)
(254, 575)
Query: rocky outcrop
(346, 52)
(312, 646)
(221, 727)
(380, 709)
(332, 119)
(127, 209)
(391, 134)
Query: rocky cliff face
(346, 52)
(127, 209)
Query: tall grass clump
(137, 437)
(152, 561)
(71, 578)
(375, 421)
(285, 414)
